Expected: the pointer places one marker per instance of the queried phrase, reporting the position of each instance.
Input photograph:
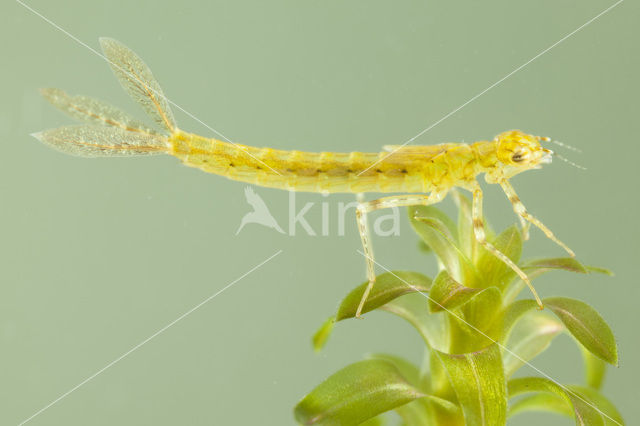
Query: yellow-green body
(414, 169)
(422, 173)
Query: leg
(521, 211)
(478, 231)
(363, 228)
(525, 228)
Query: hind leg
(363, 227)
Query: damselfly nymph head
(518, 151)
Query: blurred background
(97, 255)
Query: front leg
(523, 214)
(478, 231)
(363, 227)
(525, 228)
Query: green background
(98, 255)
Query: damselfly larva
(426, 173)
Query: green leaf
(467, 241)
(441, 386)
(439, 380)
(407, 369)
(415, 413)
(531, 336)
(494, 271)
(322, 335)
(586, 325)
(477, 323)
(439, 233)
(609, 412)
(423, 247)
(479, 384)
(594, 368)
(512, 313)
(599, 270)
(582, 411)
(582, 321)
(360, 392)
(535, 268)
(548, 402)
(447, 293)
(466, 238)
(414, 309)
(588, 409)
(428, 223)
(565, 263)
(375, 421)
(355, 394)
(388, 286)
(425, 412)
(435, 213)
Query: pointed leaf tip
(493, 270)
(322, 334)
(447, 293)
(586, 325)
(599, 270)
(437, 231)
(565, 263)
(388, 286)
(588, 406)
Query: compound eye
(518, 157)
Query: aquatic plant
(476, 335)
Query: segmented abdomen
(353, 172)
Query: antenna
(560, 157)
(564, 145)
